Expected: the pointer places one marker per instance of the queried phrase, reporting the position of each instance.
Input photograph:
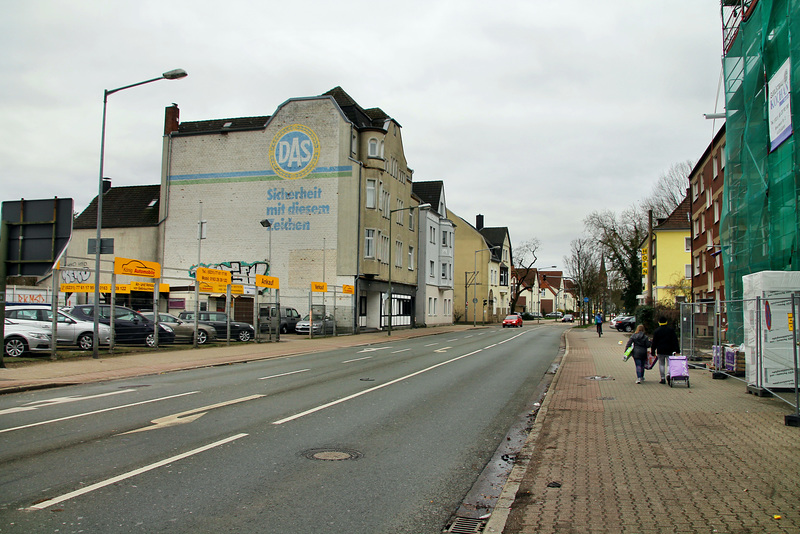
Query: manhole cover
(599, 377)
(332, 455)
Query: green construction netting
(759, 221)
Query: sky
(533, 113)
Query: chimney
(479, 222)
(171, 119)
(106, 185)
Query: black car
(625, 324)
(130, 327)
(240, 331)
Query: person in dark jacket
(640, 343)
(665, 344)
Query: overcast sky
(534, 113)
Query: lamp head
(265, 223)
(425, 206)
(175, 74)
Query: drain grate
(599, 377)
(466, 525)
(332, 454)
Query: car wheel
(15, 347)
(202, 337)
(86, 341)
(628, 328)
(244, 335)
(150, 340)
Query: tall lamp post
(169, 75)
(475, 282)
(424, 206)
(266, 223)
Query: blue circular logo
(294, 152)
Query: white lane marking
(431, 344)
(452, 340)
(401, 350)
(512, 337)
(284, 374)
(358, 359)
(59, 400)
(490, 346)
(372, 349)
(443, 349)
(40, 423)
(130, 474)
(188, 416)
(370, 390)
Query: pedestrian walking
(640, 343)
(598, 320)
(665, 344)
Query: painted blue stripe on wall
(245, 174)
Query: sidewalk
(608, 455)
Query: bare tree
(524, 258)
(669, 190)
(620, 238)
(583, 264)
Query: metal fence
(764, 353)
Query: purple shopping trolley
(677, 370)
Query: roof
(362, 118)
(679, 219)
(123, 207)
(430, 192)
(238, 124)
(496, 237)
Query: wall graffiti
(75, 273)
(242, 272)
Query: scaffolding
(759, 224)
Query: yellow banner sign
(216, 276)
(121, 288)
(236, 289)
(147, 269)
(148, 286)
(267, 281)
(319, 287)
(206, 287)
(349, 290)
(77, 288)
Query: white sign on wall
(780, 109)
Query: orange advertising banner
(147, 269)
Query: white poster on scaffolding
(780, 109)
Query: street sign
(348, 290)
(38, 231)
(267, 281)
(216, 276)
(319, 287)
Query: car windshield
(512, 318)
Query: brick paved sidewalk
(611, 455)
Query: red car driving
(512, 320)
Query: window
(386, 198)
(688, 271)
(398, 253)
(444, 271)
(410, 258)
(354, 143)
(399, 213)
(411, 220)
(432, 234)
(444, 238)
(687, 244)
(432, 269)
(384, 248)
(371, 190)
(373, 148)
(369, 243)
(716, 210)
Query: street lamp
(266, 223)
(475, 281)
(169, 75)
(424, 206)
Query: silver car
(184, 330)
(323, 325)
(20, 338)
(69, 330)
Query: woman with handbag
(640, 343)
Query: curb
(502, 510)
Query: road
(382, 438)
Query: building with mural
(314, 193)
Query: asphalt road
(384, 438)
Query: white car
(69, 330)
(19, 339)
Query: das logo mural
(294, 152)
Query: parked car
(184, 330)
(625, 324)
(219, 320)
(69, 330)
(554, 315)
(288, 321)
(130, 327)
(512, 321)
(20, 338)
(568, 318)
(323, 325)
